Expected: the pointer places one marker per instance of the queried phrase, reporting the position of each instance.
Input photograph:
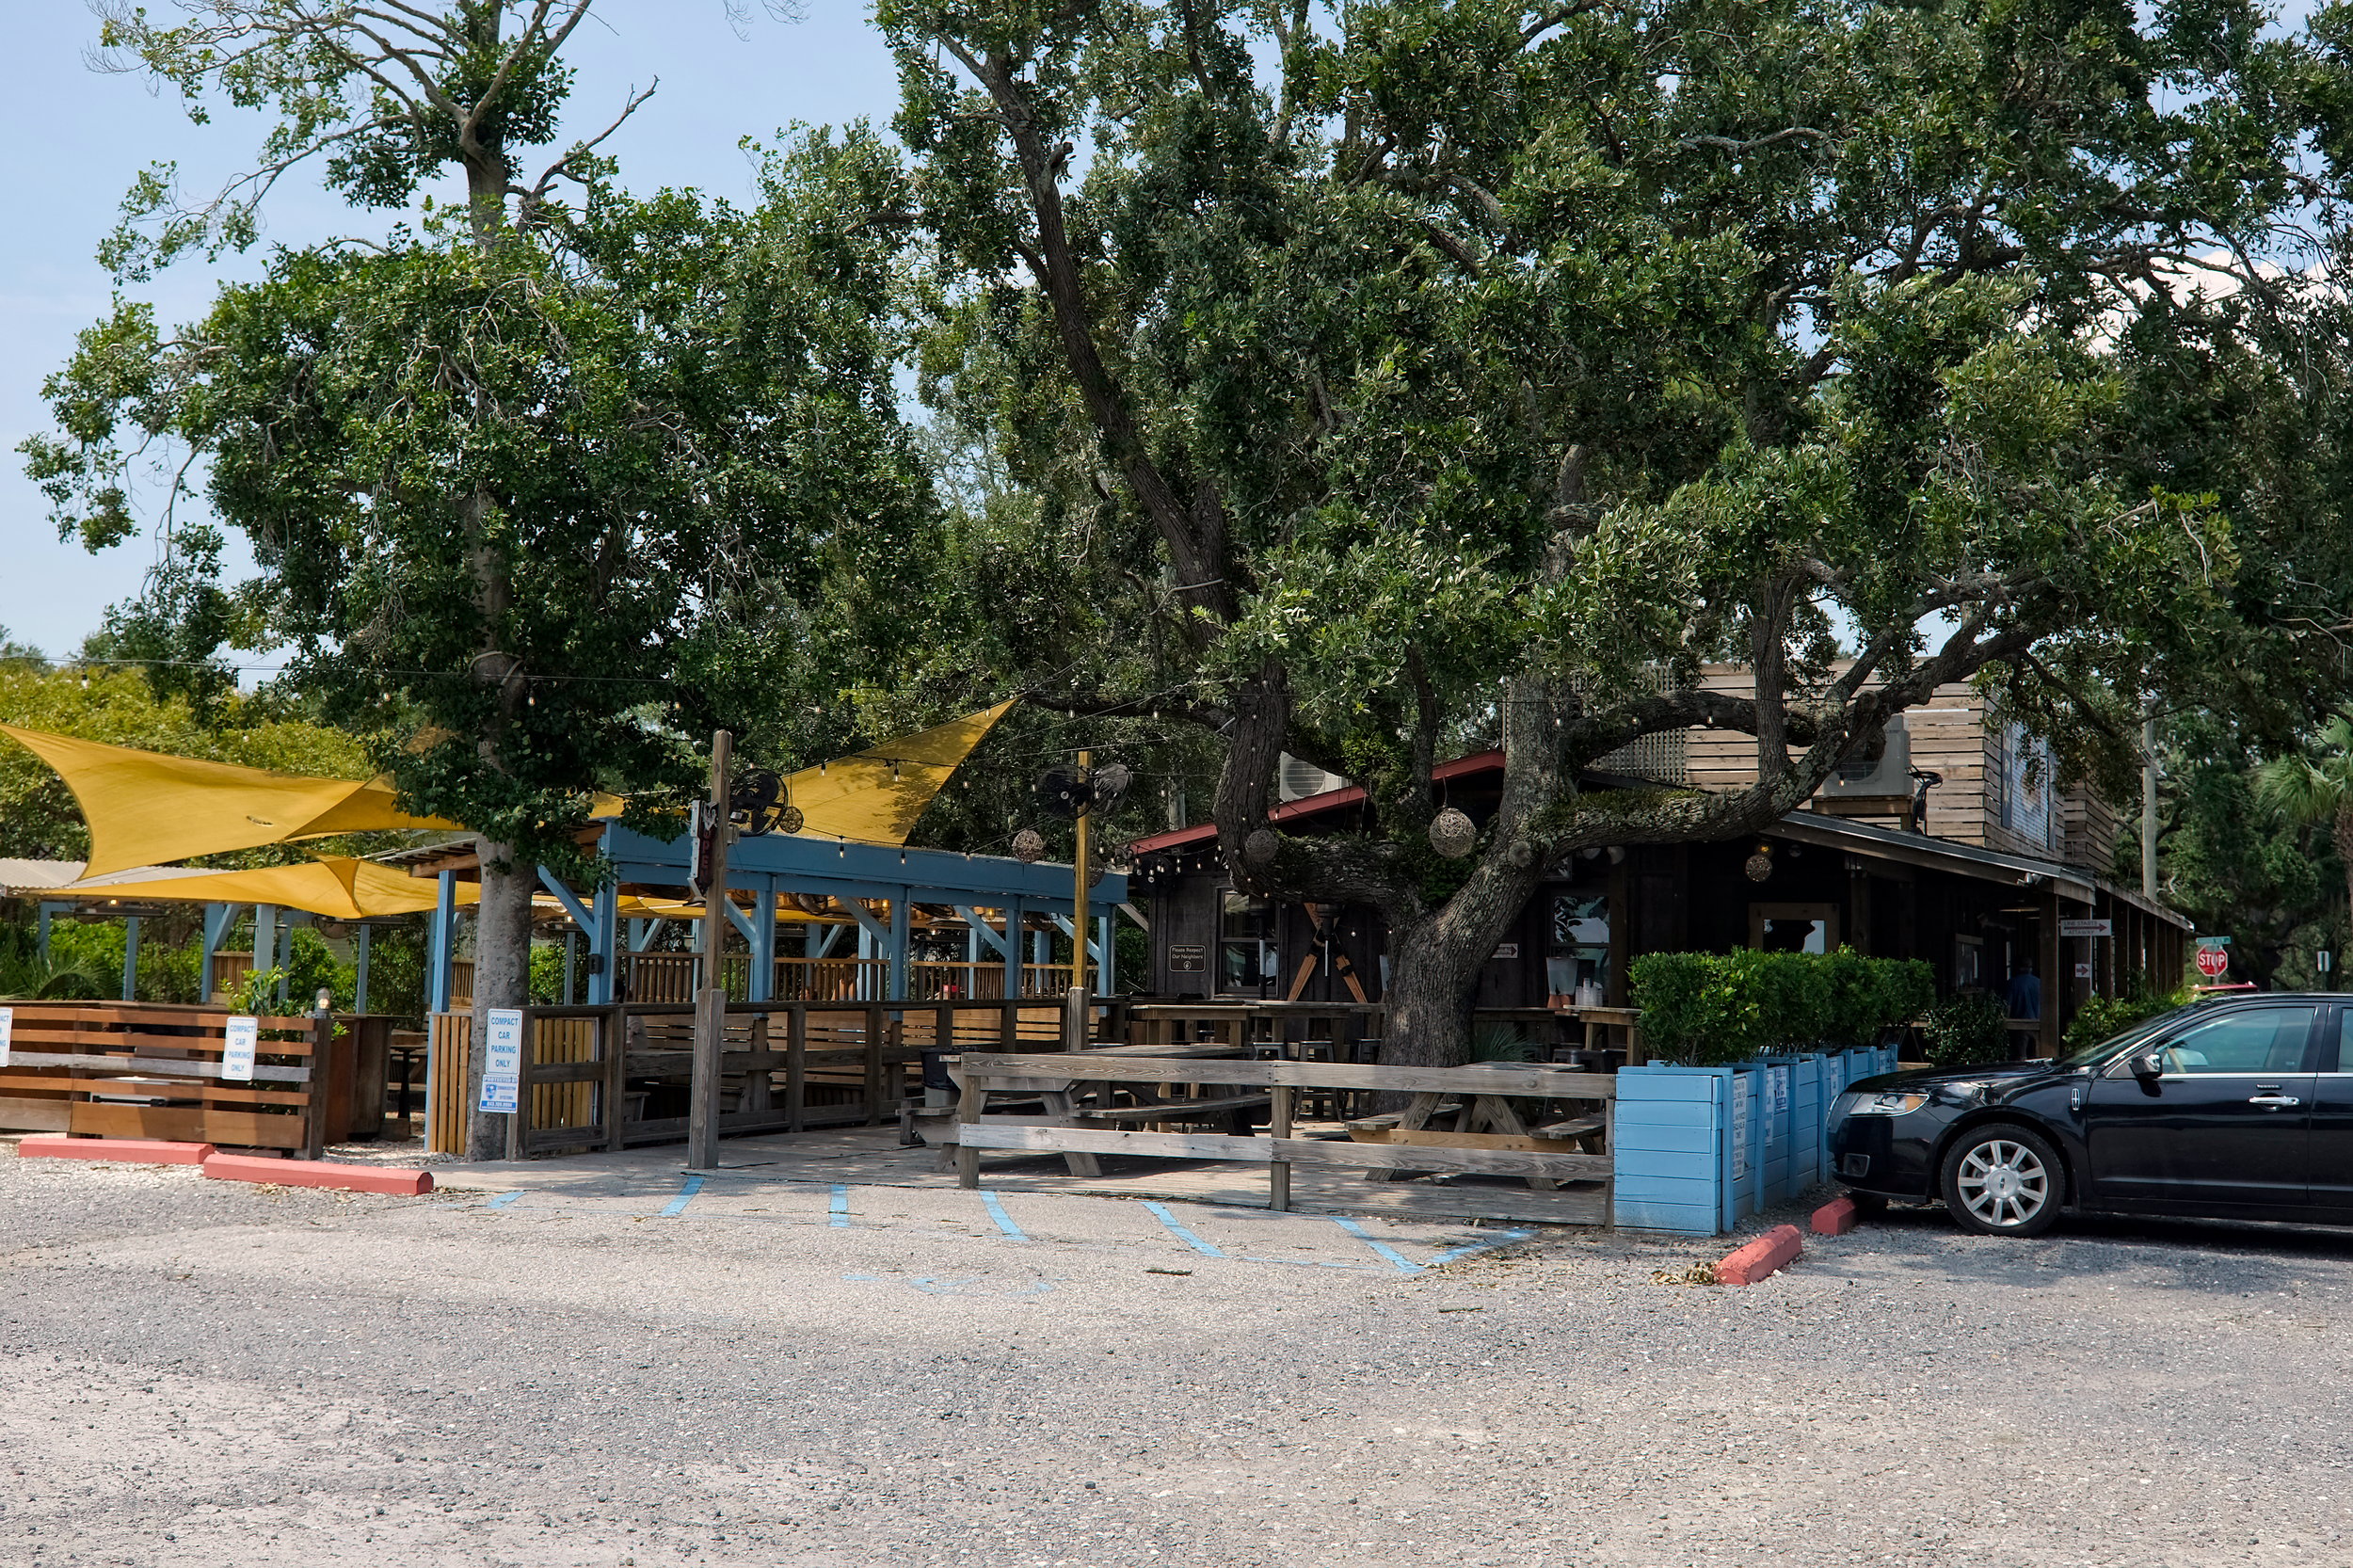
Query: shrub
(1712, 1008)
(1966, 1030)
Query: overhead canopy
(337, 887)
(876, 796)
(144, 808)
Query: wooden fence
(1059, 1076)
(673, 977)
(607, 1078)
(155, 1070)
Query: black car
(2237, 1108)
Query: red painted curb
(1769, 1253)
(396, 1179)
(1834, 1218)
(130, 1151)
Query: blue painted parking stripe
(686, 1191)
(1160, 1212)
(1004, 1221)
(837, 1210)
(1404, 1264)
(505, 1200)
(1505, 1240)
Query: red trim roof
(1309, 806)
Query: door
(2333, 1114)
(2227, 1124)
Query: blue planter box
(1687, 1148)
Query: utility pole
(1078, 1006)
(710, 1001)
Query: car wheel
(2003, 1180)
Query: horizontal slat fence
(1009, 1073)
(596, 1077)
(153, 1070)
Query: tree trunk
(501, 977)
(2343, 834)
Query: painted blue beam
(216, 921)
(1095, 947)
(761, 933)
(901, 929)
(869, 871)
(565, 896)
(604, 944)
(443, 932)
(130, 958)
(984, 931)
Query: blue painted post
(264, 937)
(763, 944)
(216, 917)
(902, 928)
(866, 949)
(1015, 916)
(359, 972)
(604, 941)
(1805, 1118)
(442, 932)
(130, 958)
(1106, 967)
(285, 959)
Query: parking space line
(1004, 1221)
(686, 1191)
(505, 1200)
(1159, 1211)
(1404, 1264)
(1452, 1253)
(838, 1208)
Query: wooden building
(1951, 846)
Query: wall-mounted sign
(1509, 950)
(1187, 958)
(503, 1061)
(239, 1039)
(2083, 970)
(2087, 928)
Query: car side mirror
(2148, 1065)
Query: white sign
(1779, 1079)
(2083, 971)
(1739, 1131)
(236, 1056)
(8, 1026)
(2087, 928)
(502, 1060)
(1508, 949)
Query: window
(1577, 950)
(1793, 927)
(1245, 944)
(2259, 1040)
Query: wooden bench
(1228, 1108)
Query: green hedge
(1708, 1008)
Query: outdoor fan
(759, 803)
(1069, 796)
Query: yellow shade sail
(146, 809)
(337, 887)
(877, 795)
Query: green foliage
(257, 994)
(547, 974)
(2101, 1017)
(1713, 1008)
(1499, 1042)
(1966, 1030)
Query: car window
(2254, 1040)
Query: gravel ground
(775, 1374)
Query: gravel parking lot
(761, 1372)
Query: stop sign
(2213, 961)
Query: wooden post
(1278, 1125)
(968, 1104)
(796, 1066)
(1078, 893)
(613, 1035)
(321, 1086)
(710, 1003)
(875, 1024)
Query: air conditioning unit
(1889, 773)
(1297, 780)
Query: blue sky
(74, 138)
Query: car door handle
(2274, 1102)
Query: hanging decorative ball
(1260, 847)
(1095, 875)
(1453, 833)
(1118, 860)
(1029, 845)
(1758, 866)
(789, 819)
